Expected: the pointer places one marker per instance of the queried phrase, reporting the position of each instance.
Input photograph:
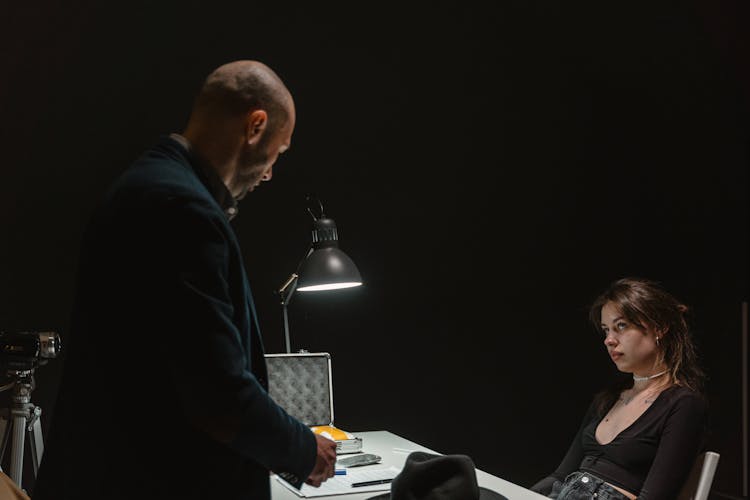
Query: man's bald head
(234, 89)
(242, 120)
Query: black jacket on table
(164, 382)
(652, 457)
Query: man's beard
(253, 167)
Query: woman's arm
(570, 462)
(681, 441)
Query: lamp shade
(326, 266)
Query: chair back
(701, 476)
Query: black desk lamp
(325, 266)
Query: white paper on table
(342, 485)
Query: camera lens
(49, 344)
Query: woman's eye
(621, 326)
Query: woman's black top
(653, 456)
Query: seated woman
(640, 438)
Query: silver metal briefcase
(302, 384)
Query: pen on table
(341, 472)
(371, 483)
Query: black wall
(492, 166)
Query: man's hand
(325, 462)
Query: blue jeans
(584, 486)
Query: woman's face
(632, 348)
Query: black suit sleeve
(206, 355)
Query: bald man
(164, 384)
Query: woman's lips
(615, 355)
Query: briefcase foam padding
(300, 383)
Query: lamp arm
(288, 288)
(286, 291)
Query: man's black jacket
(164, 381)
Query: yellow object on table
(332, 432)
(346, 442)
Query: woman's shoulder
(677, 392)
(683, 399)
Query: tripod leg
(5, 433)
(16, 457)
(35, 440)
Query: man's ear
(255, 125)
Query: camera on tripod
(24, 351)
(20, 354)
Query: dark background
(491, 166)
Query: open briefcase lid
(302, 384)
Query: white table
(394, 450)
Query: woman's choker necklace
(641, 379)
